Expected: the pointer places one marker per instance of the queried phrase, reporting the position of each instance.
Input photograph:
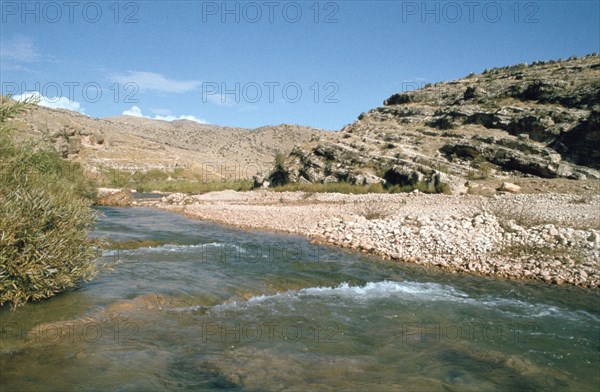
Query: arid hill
(527, 121)
(138, 144)
(540, 120)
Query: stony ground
(550, 237)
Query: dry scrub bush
(44, 245)
(375, 210)
(506, 210)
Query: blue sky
(250, 64)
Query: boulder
(74, 144)
(509, 187)
(258, 181)
(371, 179)
(330, 179)
(402, 175)
(116, 198)
(62, 148)
(447, 183)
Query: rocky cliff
(540, 120)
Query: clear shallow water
(215, 308)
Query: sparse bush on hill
(279, 176)
(376, 210)
(46, 215)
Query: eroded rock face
(329, 163)
(513, 155)
(582, 144)
(403, 175)
(74, 144)
(70, 141)
(541, 119)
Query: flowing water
(213, 308)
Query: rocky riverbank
(550, 237)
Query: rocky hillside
(538, 120)
(138, 144)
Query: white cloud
(135, 111)
(155, 82)
(182, 117)
(19, 48)
(51, 102)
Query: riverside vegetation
(46, 215)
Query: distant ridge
(139, 144)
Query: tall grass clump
(45, 218)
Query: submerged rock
(114, 197)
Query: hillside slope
(540, 120)
(139, 144)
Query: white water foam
(515, 307)
(168, 248)
(372, 290)
(386, 289)
(415, 292)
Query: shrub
(444, 188)
(483, 166)
(279, 176)
(44, 245)
(376, 210)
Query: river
(208, 307)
